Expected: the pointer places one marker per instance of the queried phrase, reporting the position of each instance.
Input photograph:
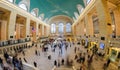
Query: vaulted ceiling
(55, 7)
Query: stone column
(34, 33)
(86, 25)
(45, 30)
(117, 20)
(82, 28)
(78, 29)
(17, 31)
(42, 30)
(74, 29)
(90, 26)
(57, 29)
(64, 29)
(37, 31)
(3, 30)
(28, 27)
(11, 26)
(104, 20)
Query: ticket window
(114, 54)
(118, 55)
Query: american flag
(33, 29)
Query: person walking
(108, 62)
(75, 49)
(1, 62)
(119, 65)
(62, 61)
(35, 64)
(55, 63)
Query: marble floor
(43, 63)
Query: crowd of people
(59, 46)
(11, 61)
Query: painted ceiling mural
(55, 7)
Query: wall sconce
(15, 33)
(113, 27)
(39, 34)
(85, 30)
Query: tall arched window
(40, 17)
(113, 23)
(53, 28)
(81, 10)
(76, 15)
(23, 6)
(88, 1)
(68, 27)
(61, 27)
(12, 1)
(79, 7)
(33, 13)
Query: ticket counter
(114, 54)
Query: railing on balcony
(12, 42)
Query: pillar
(89, 26)
(11, 26)
(57, 29)
(37, 25)
(64, 29)
(3, 30)
(86, 25)
(42, 30)
(104, 20)
(117, 20)
(28, 27)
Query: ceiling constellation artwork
(52, 8)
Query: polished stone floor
(43, 63)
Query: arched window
(113, 22)
(12, 1)
(34, 13)
(40, 17)
(76, 15)
(23, 6)
(74, 19)
(88, 1)
(68, 27)
(81, 10)
(60, 27)
(79, 7)
(53, 28)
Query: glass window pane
(53, 28)
(33, 13)
(11, 1)
(23, 6)
(61, 28)
(88, 1)
(68, 27)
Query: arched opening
(23, 6)
(60, 27)
(12, 1)
(68, 27)
(53, 28)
